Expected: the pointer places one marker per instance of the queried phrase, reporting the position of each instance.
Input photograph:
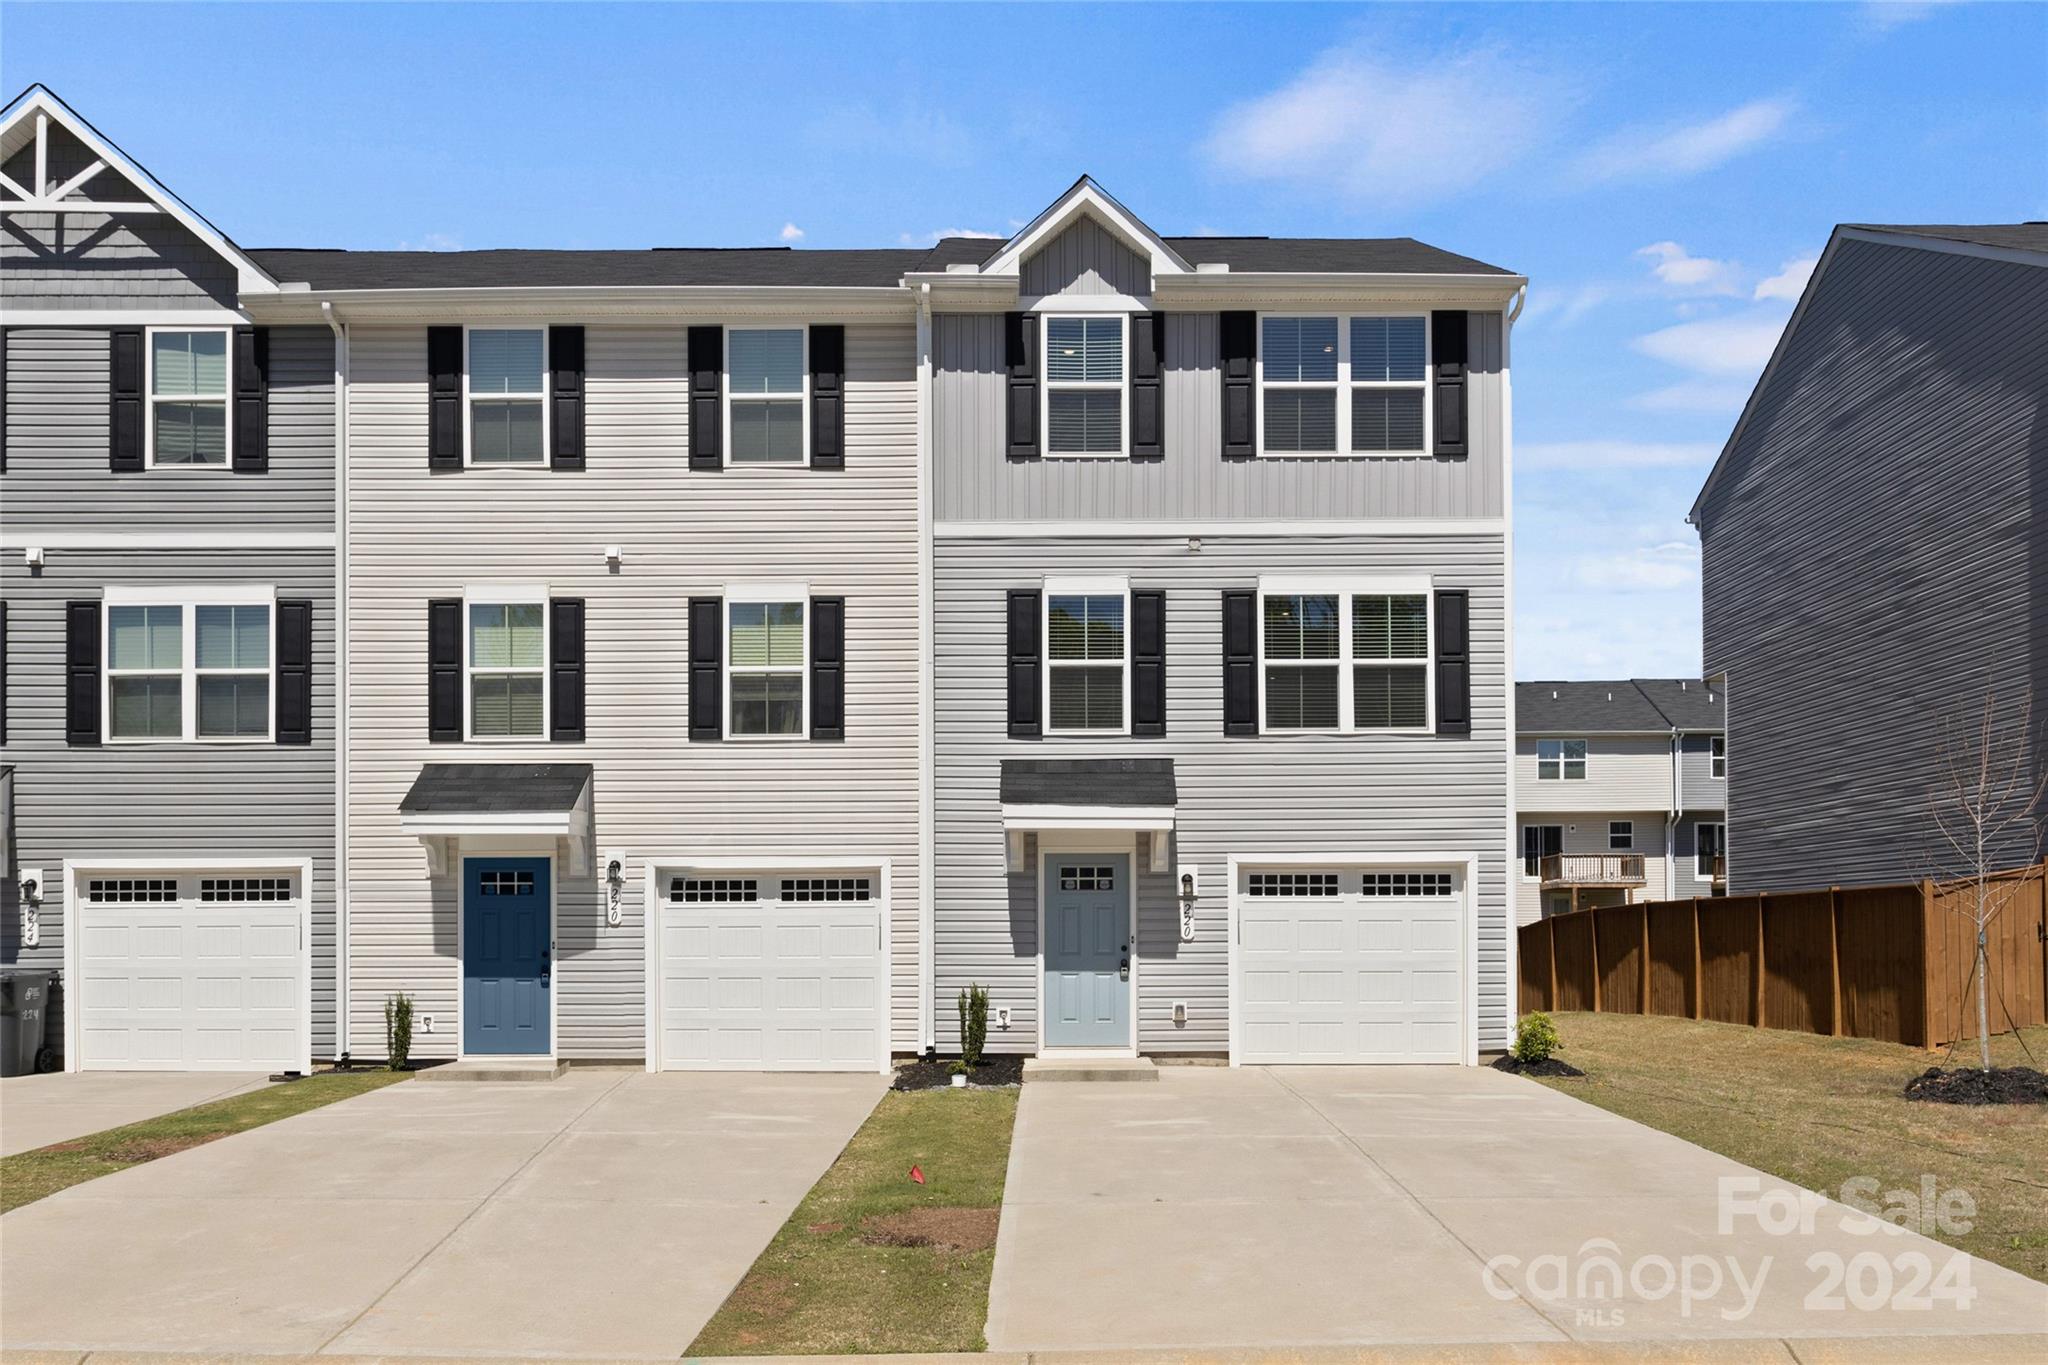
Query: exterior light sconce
(1190, 889)
(614, 889)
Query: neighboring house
(1223, 719)
(1622, 792)
(1875, 554)
(167, 621)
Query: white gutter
(341, 675)
(927, 776)
(1677, 814)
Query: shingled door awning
(1136, 794)
(450, 801)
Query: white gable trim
(40, 105)
(1087, 199)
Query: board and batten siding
(1086, 258)
(179, 801)
(1244, 796)
(656, 796)
(972, 480)
(1875, 561)
(1623, 772)
(58, 418)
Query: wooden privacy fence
(1889, 962)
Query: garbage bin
(24, 1008)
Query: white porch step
(494, 1069)
(1057, 1068)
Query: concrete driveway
(36, 1111)
(607, 1213)
(1337, 1206)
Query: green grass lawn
(838, 1278)
(1817, 1111)
(28, 1176)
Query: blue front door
(505, 956)
(1087, 949)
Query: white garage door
(190, 971)
(1342, 964)
(771, 971)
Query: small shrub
(398, 1030)
(973, 1024)
(1535, 1039)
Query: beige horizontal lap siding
(1587, 832)
(415, 536)
(1623, 772)
(1697, 785)
(1238, 796)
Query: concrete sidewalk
(1312, 1206)
(36, 1111)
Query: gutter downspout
(927, 795)
(1677, 814)
(341, 676)
(1510, 888)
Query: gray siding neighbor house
(167, 516)
(1874, 548)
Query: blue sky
(1664, 174)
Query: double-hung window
(1087, 657)
(767, 653)
(1344, 384)
(1084, 384)
(764, 406)
(1621, 835)
(188, 398)
(507, 402)
(507, 662)
(1717, 759)
(1539, 842)
(194, 665)
(1561, 760)
(1344, 659)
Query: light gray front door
(1087, 949)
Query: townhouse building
(1621, 791)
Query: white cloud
(1710, 397)
(1540, 456)
(931, 238)
(1563, 305)
(1715, 346)
(1687, 150)
(1886, 15)
(1664, 567)
(433, 241)
(1376, 129)
(1674, 266)
(791, 233)
(1790, 280)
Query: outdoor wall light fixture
(614, 888)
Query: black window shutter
(1020, 396)
(444, 400)
(1447, 337)
(444, 670)
(3, 400)
(294, 671)
(707, 374)
(828, 668)
(1148, 398)
(252, 400)
(1024, 654)
(81, 672)
(565, 670)
(828, 397)
(565, 397)
(707, 662)
(1237, 353)
(1240, 663)
(3, 677)
(1148, 663)
(1453, 662)
(124, 400)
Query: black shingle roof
(1625, 706)
(1088, 782)
(492, 788)
(2019, 236)
(1688, 703)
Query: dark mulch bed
(1549, 1066)
(1968, 1085)
(935, 1075)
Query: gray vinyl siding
(656, 796)
(1085, 259)
(1623, 772)
(1697, 786)
(1685, 878)
(1875, 559)
(57, 444)
(973, 481)
(91, 260)
(1356, 794)
(173, 800)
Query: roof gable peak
(1086, 199)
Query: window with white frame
(188, 398)
(1086, 658)
(1561, 760)
(507, 379)
(1084, 384)
(766, 675)
(1718, 755)
(1344, 384)
(1348, 661)
(197, 669)
(1301, 644)
(1390, 640)
(1710, 842)
(764, 403)
(1540, 842)
(1621, 835)
(507, 661)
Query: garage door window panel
(1087, 661)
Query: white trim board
(108, 538)
(1109, 530)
